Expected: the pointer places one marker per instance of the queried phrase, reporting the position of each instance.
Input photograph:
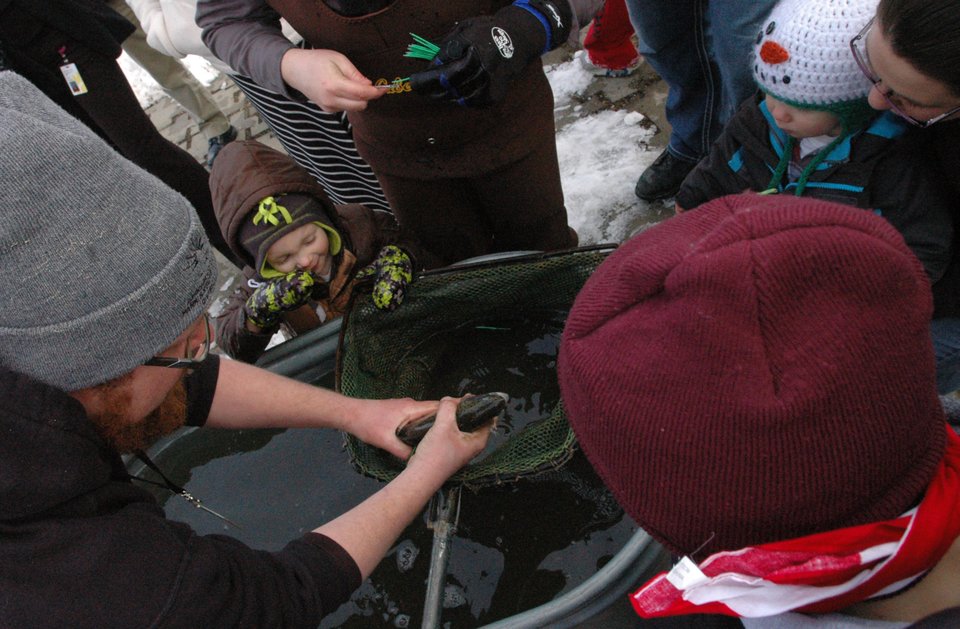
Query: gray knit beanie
(105, 266)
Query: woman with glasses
(911, 53)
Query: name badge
(74, 81)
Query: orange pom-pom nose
(772, 52)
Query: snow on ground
(568, 79)
(601, 155)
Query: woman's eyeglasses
(858, 46)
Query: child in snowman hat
(809, 131)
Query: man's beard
(116, 429)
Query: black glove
(482, 55)
(274, 297)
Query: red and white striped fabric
(818, 573)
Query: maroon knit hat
(755, 370)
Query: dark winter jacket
(81, 546)
(941, 148)
(25, 24)
(245, 173)
(878, 169)
(91, 21)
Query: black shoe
(663, 177)
(218, 143)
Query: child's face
(306, 248)
(803, 123)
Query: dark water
(517, 545)
(517, 356)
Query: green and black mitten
(278, 295)
(393, 270)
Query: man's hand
(274, 297)
(368, 530)
(329, 79)
(481, 56)
(377, 422)
(445, 448)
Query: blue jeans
(946, 347)
(702, 49)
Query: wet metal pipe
(444, 512)
(595, 594)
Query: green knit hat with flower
(274, 217)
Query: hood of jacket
(50, 453)
(247, 171)
(759, 134)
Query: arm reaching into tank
(250, 397)
(368, 530)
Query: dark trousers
(112, 110)
(516, 208)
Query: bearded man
(104, 346)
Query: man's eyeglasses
(194, 354)
(858, 46)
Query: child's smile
(306, 248)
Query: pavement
(643, 91)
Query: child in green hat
(303, 254)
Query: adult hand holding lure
(480, 57)
(328, 78)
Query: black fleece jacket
(881, 169)
(81, 546)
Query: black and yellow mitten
(273, 297)
(393, 270)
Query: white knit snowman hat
(802, 54)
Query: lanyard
(177, 489)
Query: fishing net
(410, 351)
